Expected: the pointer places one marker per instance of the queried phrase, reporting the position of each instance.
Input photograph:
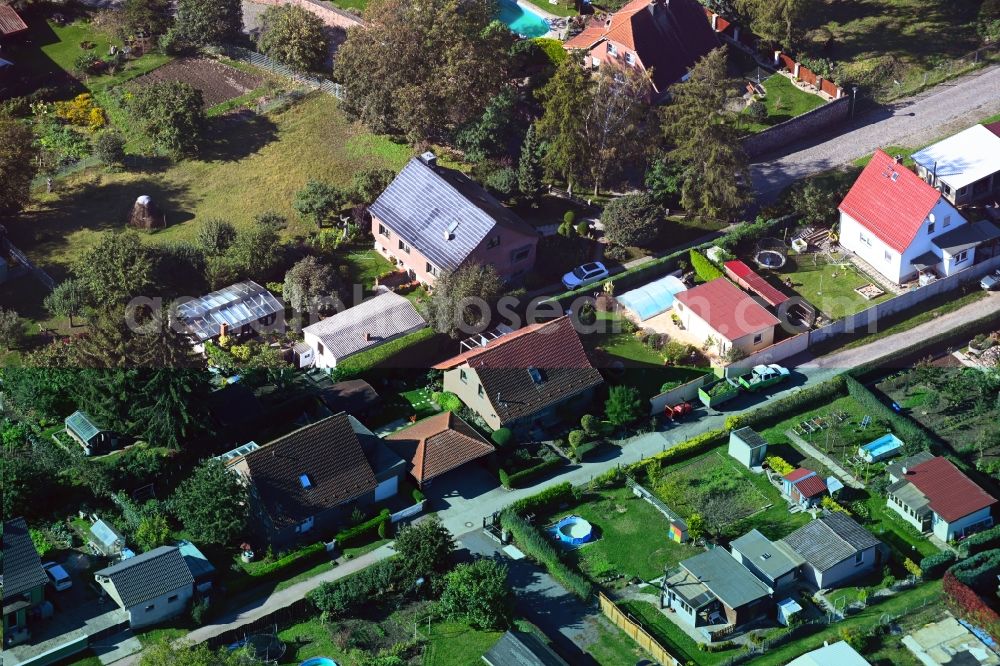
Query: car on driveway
(584, 275)
(58, 576)
(991, 282)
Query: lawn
(784, 101)
(252, 167)
(673, 638)
(458, 644)
(633, 537)
(827, 286)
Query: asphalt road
(913, 122)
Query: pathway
(915, 121)
(832, 465)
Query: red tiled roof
(890, 201)
(10, 21)
(727, 309)
(994, 127)
(442, 442)
(741, 273)
(458, 360)
(811, 486)
(951, 494)
(798, 474)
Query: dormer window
(611, 49)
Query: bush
(417, 496)
(199, 612)
(551, 496)
(259, 573)
(631, 219)
(977, 543)
(979, 571)
(934, 566)
(383, 529)
(966, 602)
(688, 449)
(569, 217)
(362, 532)
(757, 111)
(590, 424)
(624, 405)
(576, 438)
(503, 182)
(109, 146)
(521, 478)
(704, 269)
(779, 465)
(539, 547)
(582, 228)
(338, 598)
(502, 437)
(581, 451)
(504, 478)
(448, 401)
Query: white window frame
(864, 239)
(612, 50)
(961, 257)
(404, 246)
(629, 58)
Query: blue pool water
(883, 447)
(319, 661)
(522, 21)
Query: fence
(869, 318)
(407, 512)
(262, 61)
(22, 259)
(635, 631)
(919, 80)
(641, 492)
(777, 352)
(682, 393)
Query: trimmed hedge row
(518, 479)
(980, 541)
(539, 547)
(979, 571)
(933, 566)
(282, 568)
(912, 434)
(361, 532)
(703, 268)
(775, 411)
(687, 449)
(551, 496)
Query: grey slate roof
(895, 469)
(773, 559)
(381, 318)
(829, 540)
(726, 578)
(236, 305)
(424, 202)
(83, 425)
(517, 648)
(145, 577)
(749, 436)
(22, 568)
(966, 236)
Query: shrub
(383, 529)
(521, 478)
(448, 401)
(342, 596)
(581, 451)
(295, 561)
(977, 543)
(979, 571)
(967, 603)
(417, 496)
(363, 531)
(82, 111)
(757, 111)
(551, 496)
(777, 410)
(576, 438)
(503, 182)
(502, 437)
(624, 405)
(704, 269)
(688, 449)
(569, 217)
(540, 548)
(582, 227)
(109, 146)
(934, 566)
(590, 424)
(779, 465)
(504, 478)
(199, 612)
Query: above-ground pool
(522, 21)
(884, 447)
(319, 661)
(574, 530)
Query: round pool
(574, 530)
(770, 259)
(319, 661)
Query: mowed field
(254, 165)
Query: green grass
(358, 551)
(784, 101)
(694, 487)
(306, 640)
(891, 150)
(458, 644)
(828, 286)
(562, 8)
(671, 637)
(611, 646)
(633, 536)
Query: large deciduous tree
(150, 17)
(171, 114)
(205, 22)
(423, 69)
(776, 21)
(631, 219)
(319, 202)
(17, 164)
(68, 299)
(425, 550)
(294, 36)
(212, 504)
(311, 286)
(463, 299)
(117, 269)
(491, 134)
(479, 593)
(716, 176)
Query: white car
(584, 275)
(58, 576)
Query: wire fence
(260, 60)
(946, 69)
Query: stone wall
(801, 127)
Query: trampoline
(771, 253)
(574, 530)
(652, 299)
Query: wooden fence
(623, 621)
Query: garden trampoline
(771, 253)
(652, 299)
(574, 531)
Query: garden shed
(89, 434)
(748, 447)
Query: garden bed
(217, 82)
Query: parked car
(762, 376)
(58, 576)
(584, 275)
(991, 281)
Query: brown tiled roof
(10, 21)
(440, 444)
(951, 493)
(328, 453)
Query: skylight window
(305, 481)
(536, 375)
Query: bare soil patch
(216, 81)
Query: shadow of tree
(237, 136)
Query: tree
(319, 202)
(204, 22)
(171, 114)
(212, 504)
(715, 178)
(562, 127)
(815, 200)
(165, 652)
(529, 168)
(478, 592)
(624, 405)
(150, 17)
(311, 286)
(370, 183)
(10, 328)
(490, 134)
(153, 531)
(68, 299)
(429, 98)
(17, 164)
(631, 219)
(462, 300)
(215, 236)
(168, 409)
(109, 146)
(425, 550)
(255, 250)
(294, 36)
(776, 21)
(117, 269)
(503, 181)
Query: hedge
(980, 541)
(979, 571)
(581, 451)
(934, 566)
(703, 268)
(687, 449)
(912, 435)
(539, 547)
(551, 496)
(518, 479)
(967, 603)
(363, 361)
(776, 410)
(284, 567)
(362, 531)
(502, 436)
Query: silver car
(991, 282)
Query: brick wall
(801, 127)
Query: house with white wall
(965, 167)
(721, 311)
(836, 550)
(934, 496)
(902, 227)
(151, 587)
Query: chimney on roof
(429, 158)
(223, 329)
(897, 158)
(368, 337)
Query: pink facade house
(664, 38)
(432, 220)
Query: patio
(663, 323)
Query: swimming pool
(522, 21)
(319, 661)
(885, 446)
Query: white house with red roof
(901, 226)
(934, 496)
(664, 38)
(728, 315)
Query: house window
(947, 218)
(611, 49)
(382, 230)
(481, 391)
(493, 242)
(930, 227)
(859, 557)
(463, 376)
(150, 607)
(961, 256)
(757, 339)
(404, 246)
(172, 598)
(520, 254)
(865, 239)
(430, 269)
(319, 348)
(888, 257)
(947, 190)
(630, 57)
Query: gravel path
(913, 122)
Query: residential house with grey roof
(519, 648)
(714, 592)
(367, 325)
(836, 550)
(22, 581)
(432, 220)
(151, 587)
(773, 563)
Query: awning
(967, 237)
(926, 261)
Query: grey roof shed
(829, 540)
(726, 578)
